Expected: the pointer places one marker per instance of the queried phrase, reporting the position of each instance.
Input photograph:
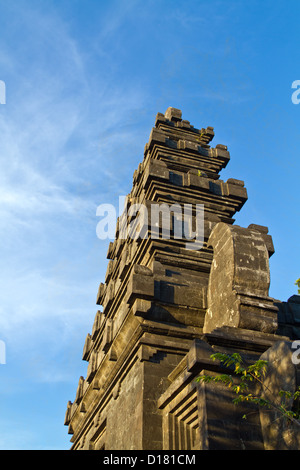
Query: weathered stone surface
(239, 281)
(202, 416)
(173, 114)
(282, 374)
(289, 317)
(166, 308)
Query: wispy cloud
(54, 158)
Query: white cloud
(61, 136)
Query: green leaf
(285, 393)
(245, 375)
(204, 378)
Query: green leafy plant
(297, 283)
(248, 375)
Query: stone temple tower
(166, 305)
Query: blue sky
(84, 81)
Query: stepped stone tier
(166, 306)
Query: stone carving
(289, 317)
(80, 390)
(164, 309)
(282, 374)
(92, 366)
(239, 281)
